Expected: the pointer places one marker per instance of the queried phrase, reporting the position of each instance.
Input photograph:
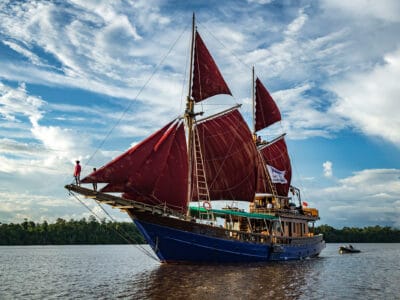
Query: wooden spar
(191, 60)
(254, 105)
(119, 202)
(219, 114)
(269, 143)
(189, 116)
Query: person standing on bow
(94, 183)
(77, 173)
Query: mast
(253, 104)
(189, 115)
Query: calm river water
(125, 272)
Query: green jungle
(91, 231)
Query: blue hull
(175, 245)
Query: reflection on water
(277, 280)
(108, 272)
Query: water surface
(125, 272)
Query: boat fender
(207, 205)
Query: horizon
(85, 81)
(130, 222)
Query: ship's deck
(122, 203)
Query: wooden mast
(189, 116)
(253, 103)
(270, 183)
(253, 92)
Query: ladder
(203, 194)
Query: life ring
(207, 205)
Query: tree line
(371, 234)
(72, 232)
(91, 231)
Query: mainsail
(230, 157)
(207, 79)
(267, 112)
(277, 162)
(153, 172)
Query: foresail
(277, 162)
(230, 157)
(154, 171)
(207, 79)
(267, 112)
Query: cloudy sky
(85, 80)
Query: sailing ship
(171, 182)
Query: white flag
(276, 175)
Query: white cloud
(296, 56)
(15, 207)
(312, 121)
(53, 149)
(23, 51)
(15, 103)
(388, 10)
(370, 99)
(296, 25)
(97, 47)
(92, 60)
(9, 146)
(327, 168)
(367, 197)
(260, 1)
(149, 14)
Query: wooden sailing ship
(205, 160)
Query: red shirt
(77, 171)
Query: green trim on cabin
(223, 212)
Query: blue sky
(71, 72)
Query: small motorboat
(348, 249)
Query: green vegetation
(70, 232)
(91, 231)
(372, 234)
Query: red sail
(267, 112)
(230, 157)
(277, 162)
(153, 172)
(207, 79)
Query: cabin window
(287, 228)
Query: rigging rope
(123, 235)
(137, 95)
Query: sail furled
(207, 79)
(154, 171)
(277, 163)
(267, 112)
(229, 156)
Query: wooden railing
(284, 213)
